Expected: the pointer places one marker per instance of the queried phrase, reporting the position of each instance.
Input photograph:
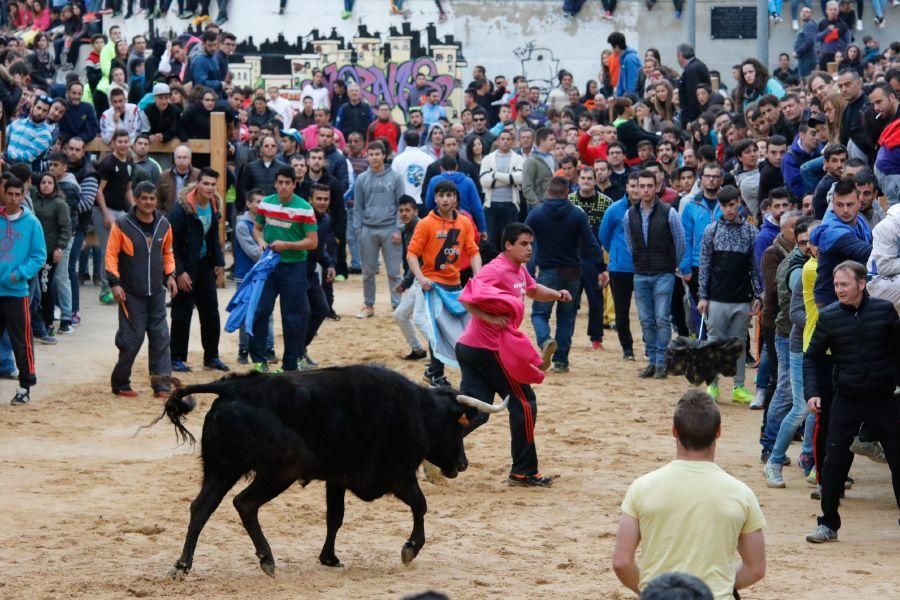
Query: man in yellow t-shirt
(690, 515)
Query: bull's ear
(464, 420)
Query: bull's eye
(463, 420)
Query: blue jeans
(763, 368)
(38, 327)
(565, 311)
(352, 242)
(796, 5)
(287, 280)
(798, 413)
(7, 360)
(878, 7)
(775, 7)
(653, 296)
(74, 259)
(811, 172)
(782, 400)
(573, 6)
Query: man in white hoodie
(411, 164)
(884, 262)
(501, 176)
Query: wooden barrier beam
(197, 146)
(215, 146)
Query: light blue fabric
(242, 306)
(435, 315)
(205, 215)
(782, 399)
(795, 417)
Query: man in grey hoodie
(377, 226)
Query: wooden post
(217, 146)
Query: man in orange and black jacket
(140, 266)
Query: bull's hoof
(179, 572)
(409, 553)
(268, 567)
(330, 561)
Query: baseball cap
(816, 119)
(292, 133)
(161, 88)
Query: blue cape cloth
(242, 306)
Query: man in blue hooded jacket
(629, 64)
(563, 236)
(22, 254)
(843, 235)
(469, 200)
(621, 265)
(699, 211)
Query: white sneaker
(795, 25)
(859, 24)
(759, 400)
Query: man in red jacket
(384, 127)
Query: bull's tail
(178, 405)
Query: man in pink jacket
(491, 355)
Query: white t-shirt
(282, 106)
(319, 96)
(691, 514)
(411, 165)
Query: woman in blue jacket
(755, 83)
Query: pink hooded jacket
(517, 354)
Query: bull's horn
(482, 406)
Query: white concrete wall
(491, 31)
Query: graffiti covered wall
(385, 67)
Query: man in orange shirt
(440, 240)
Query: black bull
(360, 428)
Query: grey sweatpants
(729, 320)
(146, 315)
(371, 241)
(403, 315)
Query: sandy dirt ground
(89, 511)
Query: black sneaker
(435, 379)
(628, 356)
(560, 367)
(243, 358)
(271, 357)
(765, 454)
(216, 364)
(416, 355)
(660, 373)
(21, 397)
(333, 316)
(647, 372)
(65, 328)
(535, 480)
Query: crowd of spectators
(723, 203)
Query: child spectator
(246, 252)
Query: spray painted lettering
(394, 83)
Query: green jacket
(53, 213)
